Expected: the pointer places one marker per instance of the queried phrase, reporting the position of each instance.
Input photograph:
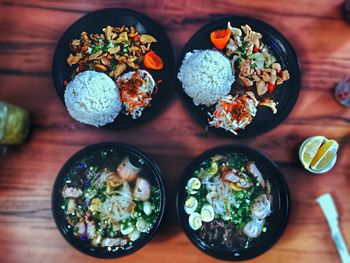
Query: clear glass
(14, 124)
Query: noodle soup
(110, 200)
(233, 202)
(228, 201)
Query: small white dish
(324, 170)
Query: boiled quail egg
(191, 205)
(207, 213)
(195, 221)
(193, 184)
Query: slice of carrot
(153, 61)
(220, 38)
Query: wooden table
(29, 34)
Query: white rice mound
(206, 76)
(92, 98)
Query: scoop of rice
(206, 76)
(92, 98)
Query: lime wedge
(310, 149)
(324, 155)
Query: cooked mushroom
(108, 32)
(145, 39)
(119, 29)
(71, 60)
(114, 50)
(132, 32)
(120, 68)
(85, 37)
(130, 62)
(121, 59)
(95, 55)
(100, 67)
(76, 42)
(123, 37)
(144, 49)
(105, 61)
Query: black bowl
(286, 94)
(73, 165)
(93, 23)
(277, 221)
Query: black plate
(286, 94)
(72, 164)
(277, 220)
(93, 23)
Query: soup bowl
(108, 200)
(220, 231)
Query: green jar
(14, 124)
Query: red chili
(271, 87)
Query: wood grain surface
(29, 31)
